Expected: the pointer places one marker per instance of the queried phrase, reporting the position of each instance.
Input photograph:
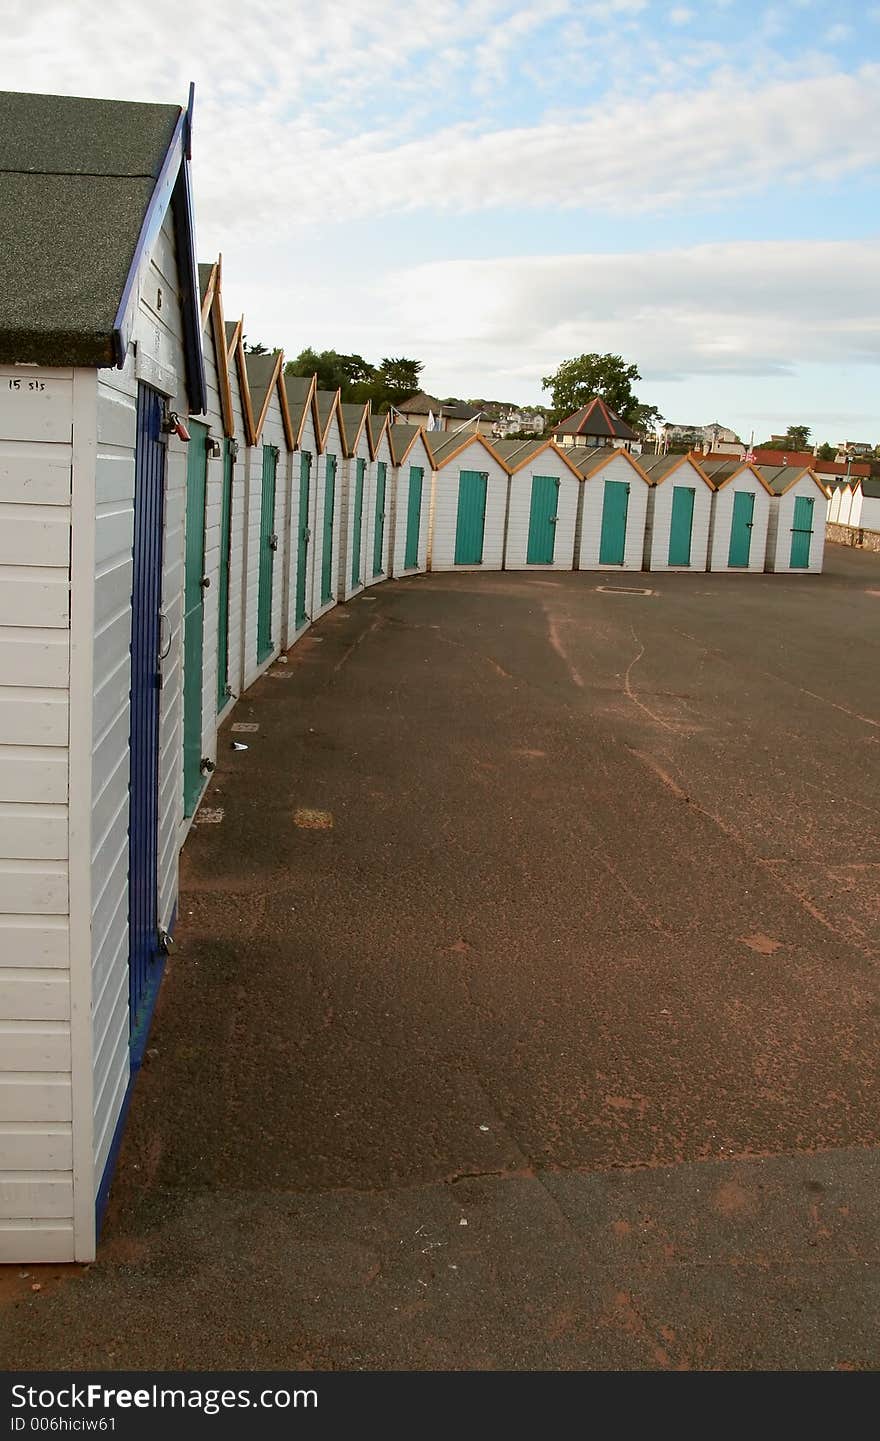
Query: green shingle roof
(76, 178)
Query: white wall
(869, 514)
(307, 445)
(332, 446)
(445, 509)
(660, 517)
(213, 417)
(519, 513)
(383, 455)
(844, 509)
(36, 1132)
(834, 503)
(347, 472)
(418, 456)
(589, 532)
(780, 524)
(237, 540)
(272, 434)
(722, 519)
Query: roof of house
(84, 188)
(444, 444)
(588, 458)
(802, 458)
(596, 418)
(377, 423)
(658, 467)
(261, 372)
(423, 404)
(326, 401)
(780, 477)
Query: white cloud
(681, 15)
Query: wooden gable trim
(755, 472)
(273, 383)
(685, 460)
(805, 470)
(222, 356)
(320, 435)
(473, 437)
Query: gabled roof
(237, 358)
(443, 446)
(327, 402)
(354, 419)
(402, 438)
(588, 459)
(300, 392)
(596, 418)
(658, 468)
(869, 485)
(518, 453)
(85, 186)
(378, 425)
(780, 478)
(264, 375)
(722, 471)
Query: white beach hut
(864, 511)
(379, 534)
(100, 364)
(411, 499)
(796, 528)
(679, 512)
(325, 537)
(268, 486)
(613, 511)
(545, 492)
(353, 515)
(305, 425)
(740, 514)
(468, 503)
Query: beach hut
(740, 513)
(844, 503)
(230, 659)
(545, 492)
(268, 486)
(325, 537)
(410, 498)
(305, 425)
(864, 511)
(679, 512)
(100, 364)
(796, 527)
(379, 537)
(834, 498)
(468, 503)
(357, 455)
(610, 532)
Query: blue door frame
(145, 959)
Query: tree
(826, 451)
(797, 436)
(255, 349)
(334, 371)
(645, 419)
(577, 381)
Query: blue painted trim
(137, 1048)
(160, 199)
(190, 302)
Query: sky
(493, 187)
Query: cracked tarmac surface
(525, 1006)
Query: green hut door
(305, 535)
(194, 614)
(801, 532)
(615, 509)
(470, 525)
(741, 528)
(543, 516)
(379, 533)
(327, 541)
(413, 517)
(360, 469)
(681, 526)
(223, 597)
(268, 546)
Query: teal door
(741, 528)
(360, 469)
(223, 597)
(413, 517)
(379, 533)
(268, 547)
(681, 526)
(194, 614)
(801, 532)
(470, 525)
(305, 535)
(327, 543)
(542, 520)
(615, 509)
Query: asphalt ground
(525, 1007)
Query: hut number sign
(16, 383)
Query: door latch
(273, 542)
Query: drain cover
(624, 590)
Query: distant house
(828, 471)
(714, 437)
(596, 424)
(428, 412)
(518, 422)
(847, 448)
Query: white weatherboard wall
(844, 508)
(307, 446)
(781, 522)
(332, 446)
(660, 517)
(346, 588)
(272, 434)
(213, 417)
(445, 509)
(237, 540)
(36, 1134)
(722, 519)
(589, 533)
(834, 504)
(520, 507)
(868, 512)
(383, 456)
(419, 457)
